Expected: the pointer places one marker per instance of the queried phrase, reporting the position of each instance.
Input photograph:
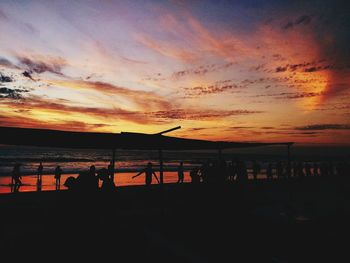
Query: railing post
(289, 167)
(160, 166)
(113, 164)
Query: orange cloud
(40, 105)
(145, 100)
(166, 48)
(27, 122)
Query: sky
(266, 71)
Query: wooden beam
(169, 130)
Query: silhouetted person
(204, 171)
(70, 183)
(324, 169)
(222, 174)
(279, 170)
(39, 176)
(343, 169)
(288, 170)
(230, 171)
(300, 169)
(315, 169)
(269, 172)
(16, 178)
(58, 173)
(242, 174)
(107, 183)
(180, 173)
(256, 170)
(295, 169)
(93, 179)
(111, 171)
(148, 174)
(195, 179)
(307, 169)
(331, 169)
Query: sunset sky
(223, 70)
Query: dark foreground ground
(282, 221)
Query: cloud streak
(27, 122)
(320, 127)
(35, 103)
(146, 100)
(187, 114)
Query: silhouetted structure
(58, 173)
(39, 176)
(216, 171)
(148, 174)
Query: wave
(51, 159)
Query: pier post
(160, 166)
(220, 154)
(289, 171)
(113, 164)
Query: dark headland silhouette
(273, 211)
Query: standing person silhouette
(148, 173)
(315, 169)
(256, 170)
(180, 173)
(93, 179)
(58, 173)
(110, 169)
(16, 178)
(39, 178)
(269, 174)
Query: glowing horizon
(252, 71)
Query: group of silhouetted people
(209, 171)
(236, 170)
(89, 181)
(84, 181)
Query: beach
(280, 221)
